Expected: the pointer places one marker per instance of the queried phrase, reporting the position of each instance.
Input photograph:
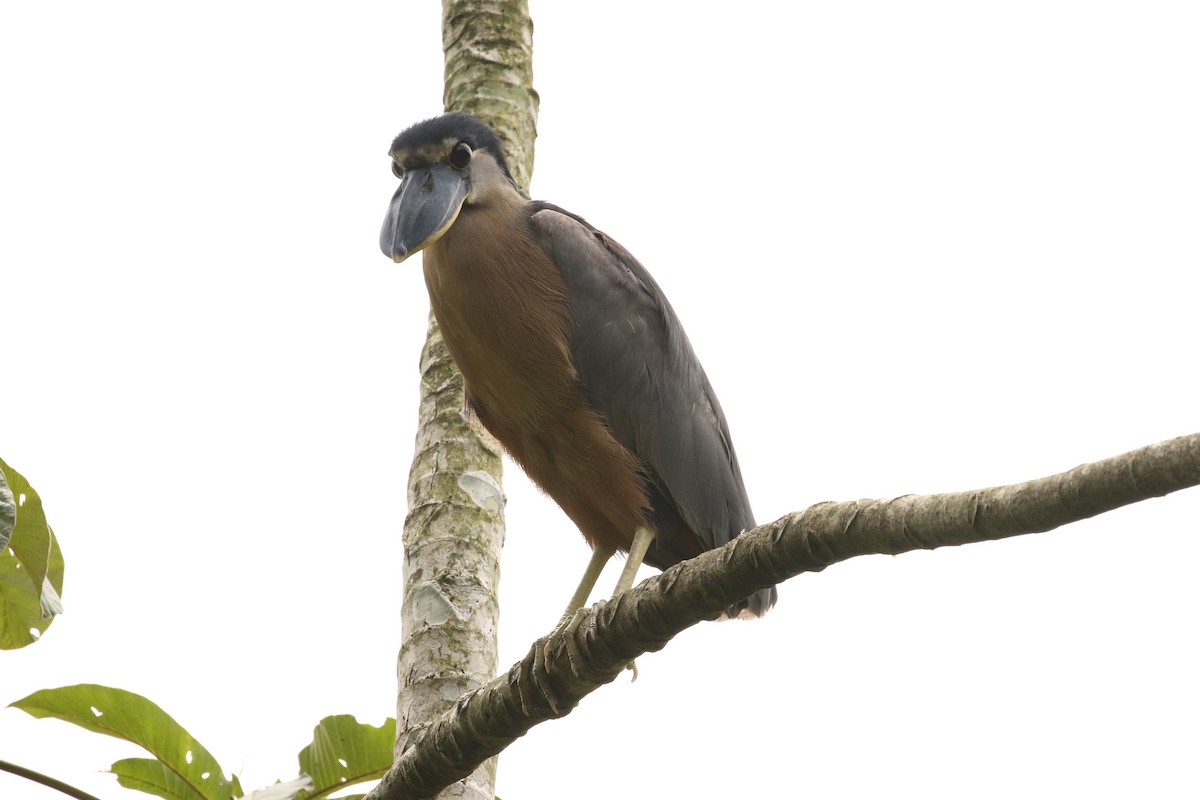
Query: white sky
(919, 247)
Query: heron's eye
(399, 173)
(460, 155)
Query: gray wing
(638, 370)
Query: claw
(568, 633)
(531, 681)
(564, 633)
(538, 672)
(522, 681)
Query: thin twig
(46, 780)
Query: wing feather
(637, 368)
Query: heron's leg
(600, 557)
(571, 619)
(570, 622)
(566, 624)
(642, 539)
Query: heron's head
(442, 163)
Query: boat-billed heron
(571, 356)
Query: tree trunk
(455, 525)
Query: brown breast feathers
(505, 314)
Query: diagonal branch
(46, 780)
(644, 619)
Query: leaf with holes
(152, 777)
(187, 771)
(31, 535)
(345, 751)
(31, 566)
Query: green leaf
(31, 566)
(129, 716)
(345, 751)
(22, 609)
(31, 536)
(150, 776)
(20, 612)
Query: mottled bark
(452, 540)
(488, 46)
(644, 619)
(455, 526)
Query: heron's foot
(565, 620)
(632, 667)
(532, 679)
(564, 634)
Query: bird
(571, 357)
